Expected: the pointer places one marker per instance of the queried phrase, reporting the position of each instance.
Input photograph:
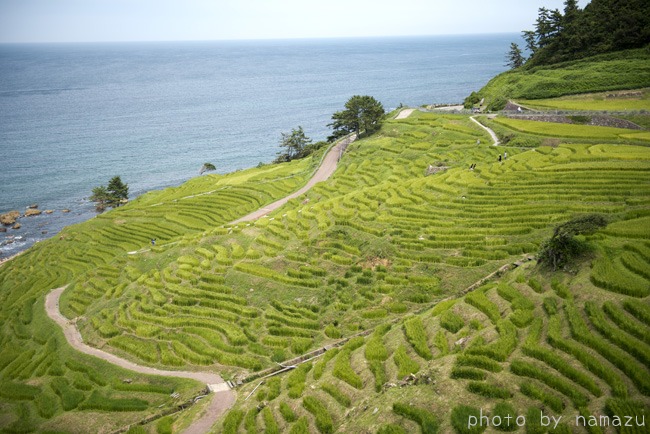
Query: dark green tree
(117, 190)
(562, 247)
(531, 41)
(295, 144)
(101, 198)
(515, 58)
(207, 167)
(112, 195)
(361, 114)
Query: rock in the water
(34, 206)
(3, 229)
(9, 218)
(32, 212)
(49, 211)
(65, 210)
(17, 226)
(43, 232)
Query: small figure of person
(499, 158)
(153, 241)
(505, 155)
(478, 141)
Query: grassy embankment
(377, 245)
(46, 385)
(608, 72)
(568, 343)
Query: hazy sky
(179, 20)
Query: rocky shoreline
(18, 231)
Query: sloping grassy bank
(615, 71)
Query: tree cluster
(562, 247)
(111, 195)
(602, 26)
(362, 114)
(297, 145)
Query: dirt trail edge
(324, 171)
(221, 399)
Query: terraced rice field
(401, 226)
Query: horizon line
(298, 38)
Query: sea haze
(74, 115)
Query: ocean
(74, 115)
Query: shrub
(562, 247)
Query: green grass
(606, 101)
(613, 71)
(377, 246)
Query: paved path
(324, 171)
(404, 113)
(495, 139)
(221, 400)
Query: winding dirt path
(221, 399)
(324, 171)
(495, 139)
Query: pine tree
(515, 59)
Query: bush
(562, 247)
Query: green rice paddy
(382, 247)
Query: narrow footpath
(324, 171)
(222, 397)
(495, 139)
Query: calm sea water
(74, 115)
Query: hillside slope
(402, 225)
